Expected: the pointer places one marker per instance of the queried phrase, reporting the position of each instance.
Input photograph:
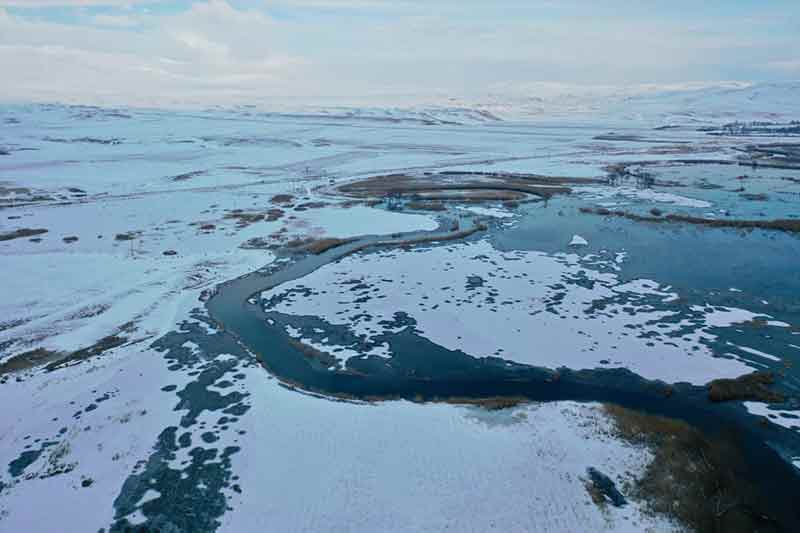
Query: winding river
(423, 370)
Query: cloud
(219, 51)
(117, 21)
(787, 65)
(209, 52)
(71, 3)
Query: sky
(151, 52)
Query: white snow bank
(315, 465)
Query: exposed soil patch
(752, 386)
(21, 233)
(699, 481)
(787, 225)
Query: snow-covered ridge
(425, 113)
(676, 104)
(684, 104)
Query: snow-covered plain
(83, 440)
(430, 468)
(310, 464)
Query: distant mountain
(762, 101)
(684, 104)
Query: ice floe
(577, 240)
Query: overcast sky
(217, 51)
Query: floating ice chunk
(149, 495)
(753, 351)
(577, 240)
(722, 317)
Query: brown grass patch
(787, 225)
(53, 360)
(104, 344)
(323, 245)
(692, 478)
(460, 185)
(316, 246)
(491, 403)
(748, 387)
(28, 360)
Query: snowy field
(526, 307)
(146, 211)
(309, 464)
